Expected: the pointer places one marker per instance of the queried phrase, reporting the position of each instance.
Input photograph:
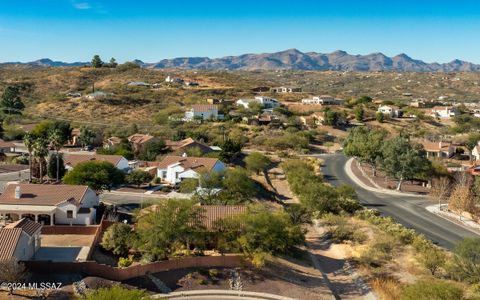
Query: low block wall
(92, 268)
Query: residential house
(312, 120)
(191, 83)
(112, 142)
(139, 140)
(49, 204)
(286, 89)
(390, 110)
(417, 103)
(203, 112)
(71, 160)
(444, 112)
(260, 89)
(6, 147)
(323, 100)
(266, 102)
(171, 79)
(223, 102)
(180, 148)
(438, 149)
(210, 216)
(98, 95)
(74, 139)
(173, 169)
(20, 240)
(138, 83)
(476, 152)
(74, 94)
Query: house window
(69, 214)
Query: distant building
(390, 110)
(261, 89)
(323, 100)
(138, 141)
(112, 142)
(72, 160)
(266, 102)
(223, 102)
(286, 89)
(98, 94)
(74, 94)
(315, 119)
(171, 79)
(179, 148)
(203, 112)
(138, 83)
(438, 149)
(444, 112)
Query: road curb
(358, 181)
(434, 210)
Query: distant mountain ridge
(293, 59)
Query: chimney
(440, 145)
(18, 192)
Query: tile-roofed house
(173, 169)
(203, 111)
(20, 240)
(209, 216)
(180, 147)
(438, 149)
(49, 204)
(138, 140)
(71, 160)
(111, 142)
(212, 214)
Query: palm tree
(86, 136)
(28, 140)
(56, 141)
(40, 147)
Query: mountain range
(292, 59)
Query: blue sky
(75, 30)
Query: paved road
(408, 211)
(12, 176)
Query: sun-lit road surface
(408, 211)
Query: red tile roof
(139, 138)
(188, 162)
(211, 214)
(204, 107)
(4, 144)
(435, 146)
(27, 225)
(43, 194)
(9, 238)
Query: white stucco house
(323, 100)
(20, 240)
(266, 102)
(203, 112)
(390, 110)
(49, 204)
(476, 152)
(73, 159)
(444, 112)
(173, 169)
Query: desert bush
(386, 288)
(379, 251)
(432, 290)
(124, 262)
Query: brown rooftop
(435, 146)
(204, 107)
(188, 162)
(139, 138)
(9, 239)
(27, 225)
(43, 194)
(4, 144)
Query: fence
(92, 268)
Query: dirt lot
(290, 278)
(64, 247)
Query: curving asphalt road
(408, 211)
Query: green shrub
(116, 292)
(432, 290)
(380, 251)
(124, 262)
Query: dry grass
(386, 288)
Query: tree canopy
(151, 150)
(11, 103)
(98, 175)
(403, 160)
